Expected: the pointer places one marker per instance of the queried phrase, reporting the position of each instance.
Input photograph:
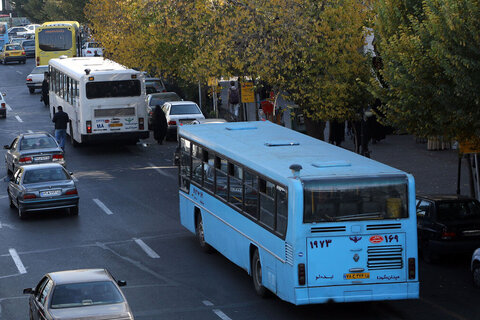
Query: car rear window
(458, 211)
(185, 109)
(37, 143)
(29, 43)
(85, 294)
(11, 48)
(45, 175)
(40, 70)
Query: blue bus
(3, 34)
(309, 221)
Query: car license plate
(354, 276)
(116, 124)
(42, 158)
(186, 122)
(50, 193)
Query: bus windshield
(354, 199)
(57, 39)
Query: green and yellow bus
(57, 38)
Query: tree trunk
(315, 128)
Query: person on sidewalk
(233, 99)
(60, 119)
(159, 124)
(45, 86)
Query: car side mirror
(121, 283)
(28, 291)
(6, 147)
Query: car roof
(161, 94)
(175, 103)
(443, 197)
(79, 275)
(42, 166)
(35, 135)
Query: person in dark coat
(60, 118)
(159, 124)
(45, 87)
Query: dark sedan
(32, 148)
(447, 224)
(42, 187)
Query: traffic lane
(150, 294)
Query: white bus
(104, 100)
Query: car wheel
(32, 90)
(200, 232)
(476, 275)
(257, 275)
(73, 211)
(427, 254)
(24, 61)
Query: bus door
(355, 258)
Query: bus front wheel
(257, 275)
(201, 235)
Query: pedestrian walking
(159, 124)
(233, 99)
(45, 88)
(60, 119)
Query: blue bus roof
(271, 149)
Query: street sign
(248, 94)
(470, 146)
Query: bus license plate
(50, 193)
(116, 124)
(354, 276)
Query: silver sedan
(42, 187)
(32, 148)
(78, 294)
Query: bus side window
(185, 164)
(197, 164)
(236, 185)
(251, 194)
(282, 210)
(209, 171)
(267, 203)
(221, 181)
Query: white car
(13, 31)
(35, 78)
(180, 113)
(92, 49)
(30, 30)
(3, 106)
(475, 267)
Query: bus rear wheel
(257, 275)
(201, 235)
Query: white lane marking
(18, 119)
(156, 168)
(102, 206)
(18, 262)
(19, 72)
(30, 131)
(9, 108)
(3, 197)
(207, 303)
(221, 315)
(146, 248)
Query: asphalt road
(128, 223)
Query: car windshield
(354, 199)
(37, 143)
(75, 295)
(45, 175)
(458, 210)
(161, 99)
(184, 109)
(40, 70)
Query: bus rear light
(57, 157)
(89, 126)
(38, 61)
(24, 160)
(172, 122)
(29, 196)
(411, 269)
(141, 124)
(71, 192)
(301, 274)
